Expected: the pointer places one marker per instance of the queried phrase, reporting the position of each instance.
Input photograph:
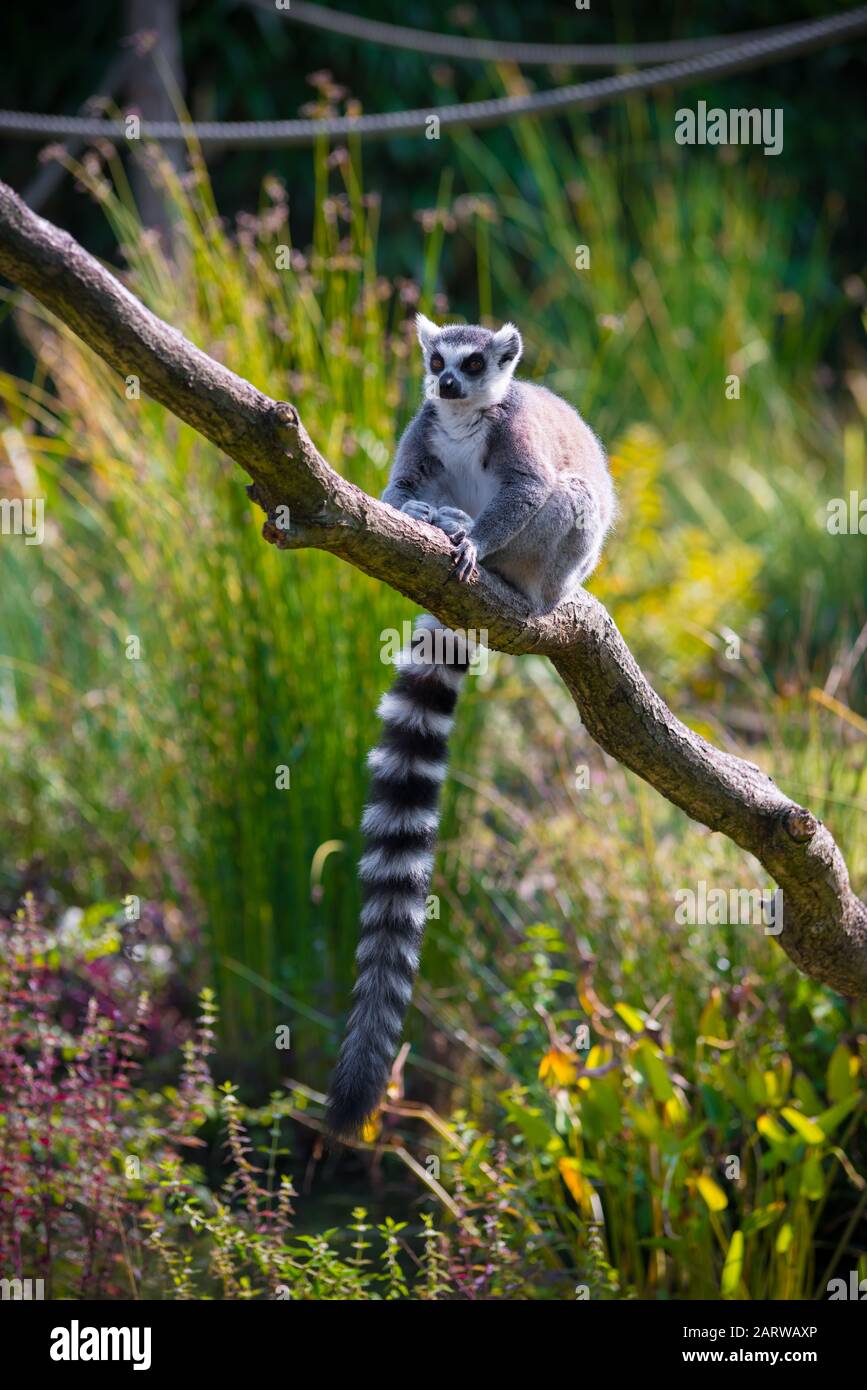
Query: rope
(40, 189)
(740, 57)
(595, 55)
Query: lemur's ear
(507, 345)
(426, 330)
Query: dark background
(240, 62)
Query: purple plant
(73, 1138)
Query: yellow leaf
(580, 1188)
(777, 1082)
(770, 1129)
(715, 1198)
(805, 1128)
(586, 1003)
(372, 1129)
(712, 1024)
(733, 1267)
(676, 1111)
(631, 1017)
(559, 1066)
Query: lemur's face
(467, 366)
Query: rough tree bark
(824, 922)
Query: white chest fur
(460, 442)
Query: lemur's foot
(419, 511)
(465, 560)
(453, 521)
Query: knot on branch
(287, 531)
(800, 824)
(277, 529)
(276, 533)
(284, 415)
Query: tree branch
(824, 923)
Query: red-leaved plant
(73, 1135)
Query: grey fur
(515, 479)
(510, 471)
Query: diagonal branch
(824, 923)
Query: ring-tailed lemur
(517, 480)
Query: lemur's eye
(436, 363)
(473, 365)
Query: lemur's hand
(465, 560)
(419, 511)
(454, 522)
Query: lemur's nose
(450, 387)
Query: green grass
(157, 776)
(700, 268)
(568, 897)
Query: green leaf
(531, 1124)
(714, 1104)
(805, 1094)
(96, 913)
(812, 1179)
(654, 1070)
(600, 1106)
(831, 1118)
(762, 1217)
(756, 1084)
(841, 1082)
(647, 1124)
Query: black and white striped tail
(400, 826)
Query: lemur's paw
(419, 511)
(453, 521)
(465, 561)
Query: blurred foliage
(676, 1159)
(242, 63)
(696, 287)
(621, 1169)
(101, 1198)
(672, 1091)
(245, 668)
(671, 567)
(252, 674)
(159, 776)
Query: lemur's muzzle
(450, 387)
